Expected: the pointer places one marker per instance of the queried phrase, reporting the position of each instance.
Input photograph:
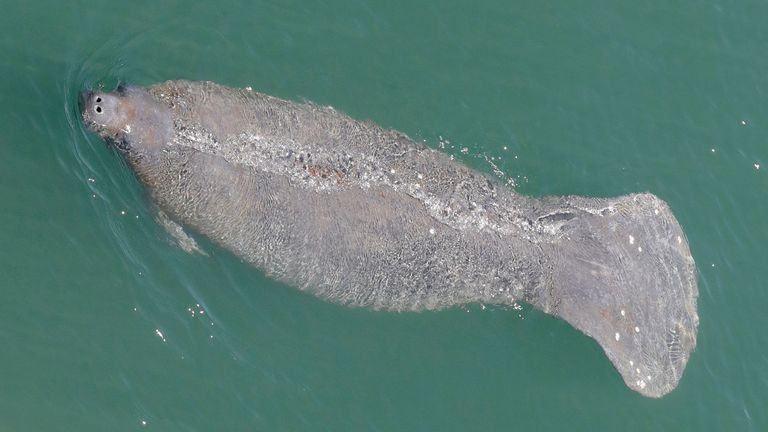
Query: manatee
(366, 217)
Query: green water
(106, 325)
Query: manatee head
(129, 117)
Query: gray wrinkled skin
(366, 217)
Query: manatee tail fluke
(623, 274)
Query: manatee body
(364, 216)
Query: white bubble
(631, 239)
(618, 336)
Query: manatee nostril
(98, 99)
(98, 109)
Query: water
(106, 325)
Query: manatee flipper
(177, 233)
(622, 273)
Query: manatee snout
(85, 96)
(86, 108)
(104, 113)
(128, 117)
